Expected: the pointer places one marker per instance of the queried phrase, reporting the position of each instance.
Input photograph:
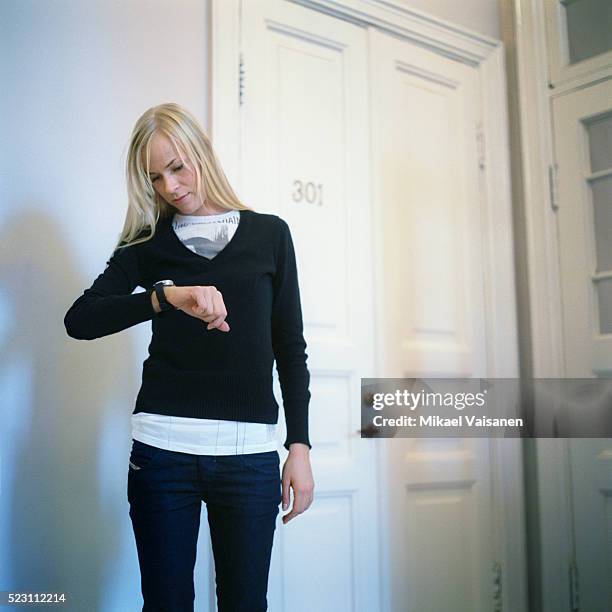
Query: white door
(583, 153)
(304, 156)
(438, 536)
(325, 105)
(591, 491)
(582, 123)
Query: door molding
(541, 301)
(487, 56)
(443, 37)
(224, 101)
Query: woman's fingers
(207, 303)
(285, 491)
(216, 323)
(218, 310)
(224, 327)
(302, 500)
(200, 306)
(214, 312)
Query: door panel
(438, 507)
(591, 490)
(325, 105)
(304, 156)
(582, 123)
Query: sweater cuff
(148, 309)
(289, 442)
(297, 437)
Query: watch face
(165, 283)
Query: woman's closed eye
(173, 169)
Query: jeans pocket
(142, 455)
(266, 463)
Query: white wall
(75, 75)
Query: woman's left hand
(297, 473)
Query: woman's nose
(170, 185)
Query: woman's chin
(188, 206)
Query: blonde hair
(145, 205)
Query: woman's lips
(181, 198)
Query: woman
(223, 298)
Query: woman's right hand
(201, 302)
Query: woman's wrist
(155, 302)
(299, 448)
(170, 293)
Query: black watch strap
(164, 304)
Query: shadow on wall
(60, 516)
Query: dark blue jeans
(242, 495)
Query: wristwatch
(164, 304)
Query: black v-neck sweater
(194, 372)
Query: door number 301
(308, 192)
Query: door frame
(533, 78)
(487, 56)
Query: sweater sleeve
(288, 341)
(109, 306)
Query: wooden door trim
(224, 93)
(540, 301)
(524, 26)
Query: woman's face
(172, 179)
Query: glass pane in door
(589, 28)
(601, 190)
(604, 294)
(599, 133)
